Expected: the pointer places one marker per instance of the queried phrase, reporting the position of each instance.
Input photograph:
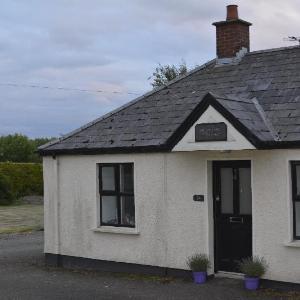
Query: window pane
(227, 190)
(126, 178)
(108, 178)
(245, 191)
(109, 210)
(298, 179)
(127, 210)
(297, 218)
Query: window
(116, 195)
(296, 198)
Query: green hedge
(6, 196)
(24, 179)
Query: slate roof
(260, 95)
(250, 115)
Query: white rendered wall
(171, 225)
(167, 218)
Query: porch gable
(235, 140)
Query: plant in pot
(253, 268)
(199, 263)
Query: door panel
(245, 191)
(233, 213)
(226, 190)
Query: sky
(112, 46)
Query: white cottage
(209, 163)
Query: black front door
(233, 213)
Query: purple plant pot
(251, 283)
(199, 277)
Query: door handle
(236, 220)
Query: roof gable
(235, 140)
(241, 113)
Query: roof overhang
(208, 100)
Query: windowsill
(118, 230)
(294, 243)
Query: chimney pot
(232, 12)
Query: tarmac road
(23, 275)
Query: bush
(19, 148)
(198, 263)
(22, 179)
(253, 267)
(6, 196)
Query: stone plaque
(208, 132)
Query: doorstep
(232, 275)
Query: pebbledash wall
(170, 226)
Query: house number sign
(208, 132)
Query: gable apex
(236, 111)
(234, 140)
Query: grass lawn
(21, 218)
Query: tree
(16, 148)
(166, 73)
(19, 148)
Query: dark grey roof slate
(247, 112)
(262, 92)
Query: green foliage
(21, 179)
(198, 262)
(253, 267)
(166, 73)
(6, 196)
(19, 148)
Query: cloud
(109, 45)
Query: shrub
(253, 267)
(24, 179)
(6, 196)
(198, 262)
(20, 148)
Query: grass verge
(21, 218)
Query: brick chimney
(232, 34)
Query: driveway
(24, 276)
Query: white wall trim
(117, 230)
(289, 200)
(58, 245)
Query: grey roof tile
(272, 77)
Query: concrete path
(24, 276)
